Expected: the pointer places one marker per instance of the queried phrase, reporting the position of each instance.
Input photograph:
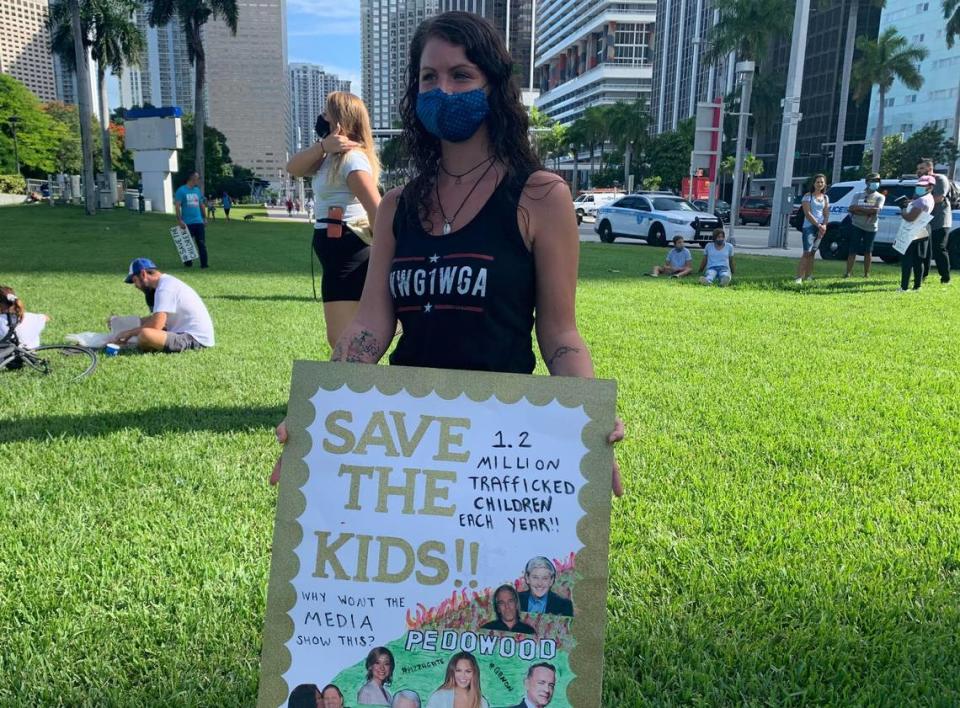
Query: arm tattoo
(362, 348)
(559, 354)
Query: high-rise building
(681, 76)
(164, 76)
(820, 96)
(247, 86)
(25, 46)
(906, 110)
(387, 26)
(592, 52)
(309, 87)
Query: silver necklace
(448, 223)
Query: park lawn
(791, 533)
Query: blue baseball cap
(137, 266)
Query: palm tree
(628, 124)
(193, 15)
(951, 13)
(888, 59)
(84, 106)
(113, 39)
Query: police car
(834, 243)
(655, 216)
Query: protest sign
(184, 243)
(436, 525)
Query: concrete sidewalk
(280, 213)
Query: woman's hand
(336, 143)
(281, 433)
(822, 228)
(616, 436)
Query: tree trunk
(878, 133)
(845, 90)
(104, 121)
(85, 106)
(199, 114)
(956, 134)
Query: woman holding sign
(482, 238)
(345, 171)
(919, 209)
(461, 686)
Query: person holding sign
(380, 666)
(482, 238)
(921, 208)
(345, 171)
(190, 204)
(540, 574)
(461, 687)
(179, 320)
(506, 605)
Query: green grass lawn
(791, 534)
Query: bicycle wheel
(61, 362)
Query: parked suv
(587, 203)
(656, 217)
(756, 210)
(834, 242)
(721, 209)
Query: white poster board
(186, 247)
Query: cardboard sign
(184, 243)
(440, 530)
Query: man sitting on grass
(679, 262)
(178, 321)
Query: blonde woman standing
(345, 171)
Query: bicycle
(54, 362)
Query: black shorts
(860, 240)
(344, 261)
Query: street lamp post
(13, 120)
(745, 70)
(576, 172)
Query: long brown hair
(10, 301)
(507, 122)
(450, 681)
(350, 112)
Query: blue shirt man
(191, 215)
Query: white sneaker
(798, 281)
(725, 280)
(704, 281)
(902, 290)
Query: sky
(326, 32)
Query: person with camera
(345, 171)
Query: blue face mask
(920, 191)
(453, 117)
(873, 186)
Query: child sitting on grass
(717, 260)
(28, 325)
(679, 262)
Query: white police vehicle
(834, 245)
(657, 217)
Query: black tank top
(465, 300)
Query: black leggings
(913, 260)
(344, 261)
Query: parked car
(721, 209)
(656, 217)
(586, 204)
(755, 210)
(834, 243)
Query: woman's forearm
(305, 162)
(361, 344)
(567, 355)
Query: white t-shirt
(328, 193)
(185, 310)
(28, 329)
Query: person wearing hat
(917, 250)
(864, 224)
(179, 320)
(941, 224)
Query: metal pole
(576, 175)
(783, 189)
(745, 69)
(16, 150)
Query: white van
(834, 243)
(587, 203)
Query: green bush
(12, 184)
